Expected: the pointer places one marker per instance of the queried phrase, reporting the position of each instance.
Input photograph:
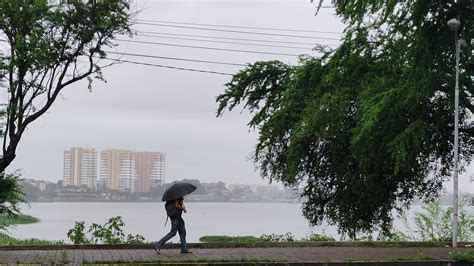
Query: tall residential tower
(117, 169)
(80, 167)
(149, 169)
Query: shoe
(157, 250)
(187, 251)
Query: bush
(109, 233)
(433, 223)
(317, 237)
(465, 255)
(288, 237)
(6, 240)
(11, 193)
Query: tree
(31, 192)
(11, 194)
(47, 46)
(367, 127)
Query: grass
(210, 261)
(414, 258)
(388, 244)
(6, 220)
(288, 237)
(230, 239)
(397, 259)
(465, 255)
(6, 240)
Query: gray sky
(157, 109)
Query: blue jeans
(177, 226)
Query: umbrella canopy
(178, 190)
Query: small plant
(318, 237)
(6, 240)
(464, 255)
(77, 235)
(288, 237)
(109, 233)
(433, 223)
(134, 239)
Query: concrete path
(277, 254)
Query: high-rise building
(80, 167)
(149, 169)
(117, 167)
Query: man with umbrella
(174, 208)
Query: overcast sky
(147, 108)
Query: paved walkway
(282, 254)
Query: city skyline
(123, 170)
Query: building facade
(117, 169)
(149, 169)
(80, 167)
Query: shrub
(6, 240)
(433, 223)
(318, 237)
(288, 237)
(109, 233)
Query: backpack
(171, 210)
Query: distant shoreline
(153, 201)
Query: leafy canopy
(45, 47)
(367, 127)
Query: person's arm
(179, 205)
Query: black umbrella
(178, 190)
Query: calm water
(147, 219)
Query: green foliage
(109, 233)
(318, 237)
(233, 261)
(31, 192)
(77, 234)
(462, 255)
(7, 220)
(288, 237)
(230, 239)
(6, 240)
(366, 128)
(11, 194)
(48, 46)
(434, 222)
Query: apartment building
(117, 169)
(80, 167)
(149, 169)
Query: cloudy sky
(149, 108)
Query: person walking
(174, 210)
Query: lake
(148, 218)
